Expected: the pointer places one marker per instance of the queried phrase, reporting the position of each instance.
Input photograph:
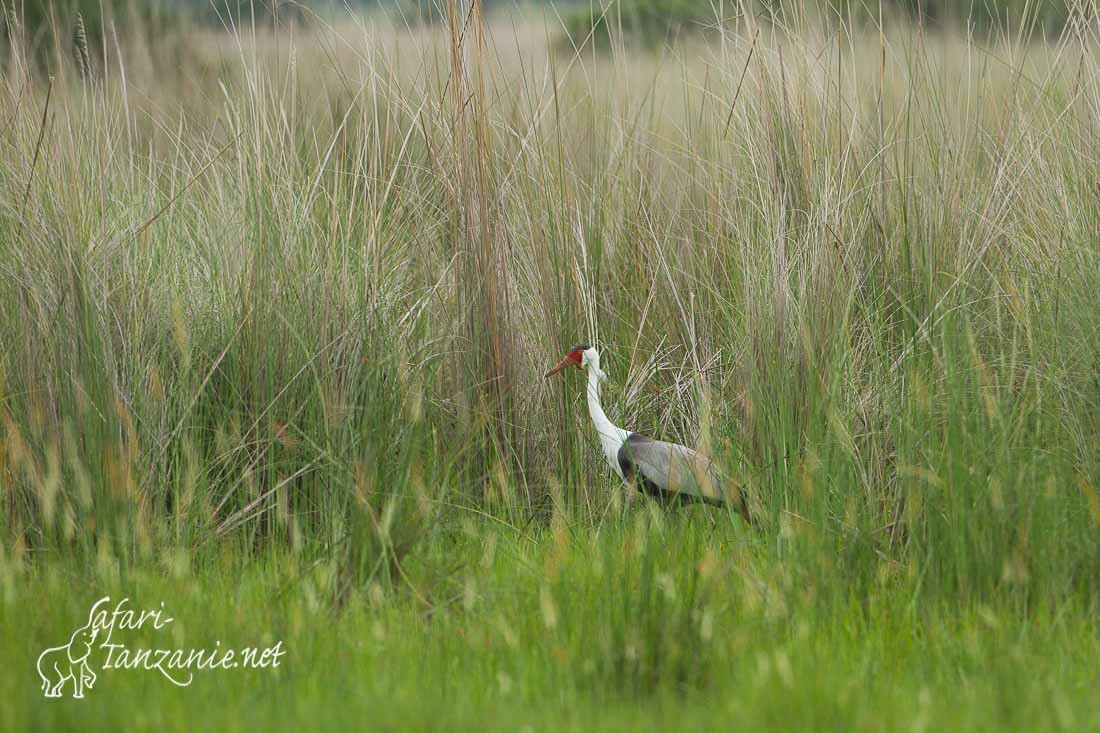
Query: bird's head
(581, 356)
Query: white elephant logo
(60, 664)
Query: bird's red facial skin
(573, 358)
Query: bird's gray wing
(670, 469)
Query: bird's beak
(561, 365)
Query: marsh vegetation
(276, 303)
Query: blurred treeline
(652, 18)
(659, 19)
(51, 29)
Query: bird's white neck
(611, 437)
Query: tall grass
(298, 289)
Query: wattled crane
(665, 471)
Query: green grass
(555, 630)
(274, 315)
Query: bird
(668, 472)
